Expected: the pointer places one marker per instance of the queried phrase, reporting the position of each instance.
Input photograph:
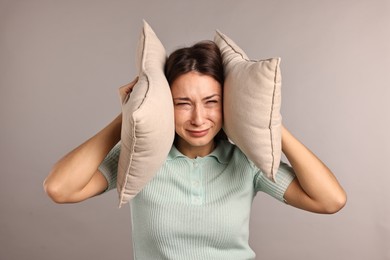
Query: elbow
(54, 192)
(336, 204)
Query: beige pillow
(252, 98)
(147, 120)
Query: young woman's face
(197, 103)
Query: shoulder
(232, 154)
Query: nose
(198, 117)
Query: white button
(195, 164)
(196, 184)
(197, 200)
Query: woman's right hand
(76, 176)
(124, 91)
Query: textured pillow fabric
(252, 99)
(147, 120)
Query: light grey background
(61, 63)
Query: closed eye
(182, 104)
(212, 102)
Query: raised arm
(315, 188)
(76, 177)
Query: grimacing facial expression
(197, 100)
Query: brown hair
(203, 57)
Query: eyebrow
(188, 99)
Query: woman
(198, 204)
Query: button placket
(196, 183)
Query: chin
(199, 143)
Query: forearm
(314, 177)
(75, 170)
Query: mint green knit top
(198, 208)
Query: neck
(194, 151)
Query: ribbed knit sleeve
(284, 177)
(109, 166)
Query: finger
(128, 87)
(134, 81)
(132, 84)
(124, 91)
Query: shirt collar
(221, 152)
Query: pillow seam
(232, 47)
(123, 188)
(270, 122)
(144, 71)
